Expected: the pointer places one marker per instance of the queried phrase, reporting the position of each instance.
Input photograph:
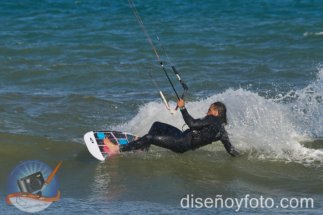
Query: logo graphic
(33, 186)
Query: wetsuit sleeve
(227, 144)
(195, 123)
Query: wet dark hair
(222, 111)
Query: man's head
(218, 109)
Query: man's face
(213, 111)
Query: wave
(308, 34)
(260, 127)
(266, 128)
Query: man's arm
(189, 120)
(194, 123)
(227, 144)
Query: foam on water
(306, 34)
(266, 128)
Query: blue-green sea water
(68, 67)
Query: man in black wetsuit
(201, 132)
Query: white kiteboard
(102, 144)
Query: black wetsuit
(201, 132)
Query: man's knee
(156, 127)
(158, 124)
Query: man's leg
(142, 143)
(162, 135)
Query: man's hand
(234, 152)
(181, 103)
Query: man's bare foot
(113, 148)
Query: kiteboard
(103, 144)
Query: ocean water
(68, 67)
